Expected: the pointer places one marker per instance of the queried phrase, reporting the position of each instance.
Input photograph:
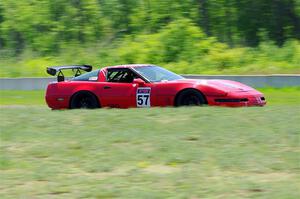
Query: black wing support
(57, 70)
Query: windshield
(157, 74)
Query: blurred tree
(204, 16)
(277, 17)
(45, 26)
(1, 21)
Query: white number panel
(143, 96)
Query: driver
(128, 78)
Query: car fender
(92, 87)
(208, 91)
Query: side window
(91, 76)
(121, 75)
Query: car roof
(129, 66)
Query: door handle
(106, 87)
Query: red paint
(123, 95)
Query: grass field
(200, 152)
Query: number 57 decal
(143, 97)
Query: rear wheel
(85, 100)
(190, 97)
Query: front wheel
(84, 100)
(190, 97)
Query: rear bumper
(54, 100)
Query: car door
(154, 94)
(162, 94)
(117, 91)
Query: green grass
(200, 152)
(13, 97)
(274, 96)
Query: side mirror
(139, 82)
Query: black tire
(84, 99)
(190, 97)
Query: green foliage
(204, 36)
(44, 25)
(195, 55)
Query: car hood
(225, 85)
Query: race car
(142, 85)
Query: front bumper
(239, 99)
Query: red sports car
(141, 85)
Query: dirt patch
(76, 172)
(271, 177)
(171, 120)
(161, 169)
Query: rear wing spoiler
(57, 70)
